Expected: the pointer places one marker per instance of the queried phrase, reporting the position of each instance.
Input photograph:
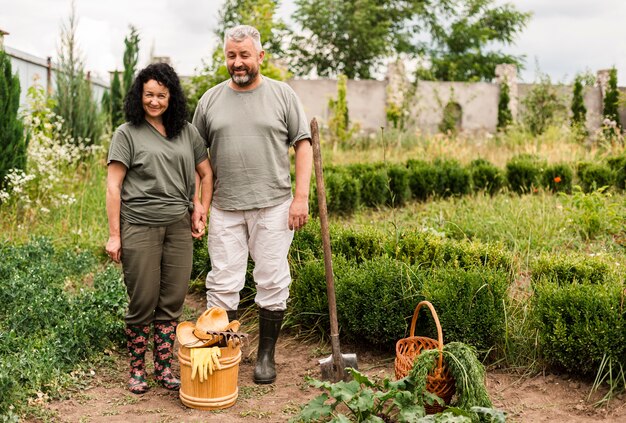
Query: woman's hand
(198, 220)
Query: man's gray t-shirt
(160, 178)
(248, 134)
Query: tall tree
(13, 143)
(463, 40)
(579, 111)
(453, 38)
(611, 99)
(131, 57)
(351, 37)
(117, 101)
(505, 117)
(74, 102)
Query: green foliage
(452, 118)
(580, 324)
(610, 110)
(374, 185)
(434, 251)
(579, 111)
(374, 298)
(400, 191)
(570, 268)
(348, 37)
(343, 192)
(52, 319)
(462, 40)
(523, 173)
(542, 106)
(591, 213)
(13, 143)
(358, 245)
(308, 301)
(594, 176)
(618, 166)
(422, 179)
(486, 177)
(131, 57)
(505, 117)
(470, 304)
(451, 178)
(558, 177)
(339, 121)
(74, 102)
(365, 400)
(117, 101)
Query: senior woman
(154, 215)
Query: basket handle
(416, 314)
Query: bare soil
(542, 398)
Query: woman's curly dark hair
(175, 117)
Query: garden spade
(333, 367)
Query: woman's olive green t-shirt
(160, 178)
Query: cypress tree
(579, 111)
(611, 99)
(131, 57)
(504, 113)
(13, 143)
(117, 101)
(74, 102)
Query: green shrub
(200, 263)
(580, 325)
(342, 192)
(375, 187)
(618, 166)
(593, 176)
(486, 177)
(470, 304)
(452, 178)
(308, 302)
(558, 178)
(357, 245)
(523, 173)
(422, 179)
(306, 244)
(430, 250)
(570, 268)
(399, 188)
(375, 298)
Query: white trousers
(265, 235)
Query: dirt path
(548, 398)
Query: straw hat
(213, 319)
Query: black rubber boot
(269, 328)
(232, 315)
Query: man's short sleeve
(199, 149)
(121, 149)
(297, 124)
(199, 121)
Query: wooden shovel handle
(328, 263)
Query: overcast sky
(563, 37)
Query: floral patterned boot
(137, 337)
(164, 337)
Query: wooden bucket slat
(219, 390)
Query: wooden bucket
(219, 390)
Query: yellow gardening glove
(204, 361)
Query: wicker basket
(439, 382)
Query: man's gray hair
(241, 32)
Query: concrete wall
(366, 100)
(30, 68)
(478, 101)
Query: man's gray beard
(245, 80)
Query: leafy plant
(505, 117)
(542, 106)
(591, 212)
(364, 400)
(610, 110)
(486, 177)
(13, 143)
(523, 173)
(579, 111)
(558, 177)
